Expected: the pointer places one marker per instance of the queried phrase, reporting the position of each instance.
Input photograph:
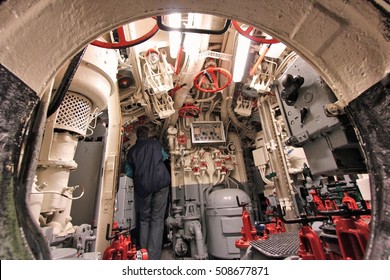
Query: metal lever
(342, 211)
(291, 85)
(241, 204)
(303, 219)
(115, 236)
(303, 112)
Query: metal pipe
(196, 228)
(202, 205)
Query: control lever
(241, 204)
(303, 219)
(118, 232)
(342, 211)
(291, 85)
(303, 112)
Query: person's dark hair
(142, 131)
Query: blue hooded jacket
(149, 172)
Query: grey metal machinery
(125, 211)
(316, 123)
(224, 216)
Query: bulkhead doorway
(346, 44)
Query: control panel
(207, 132)
(303, 95)
(330, 143)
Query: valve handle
(303, 219)
(182, 139)
(210, 74)
(123, 43)
(189, 111)
(342, 211)
(118, 231)
(241, 204)
(246, 33)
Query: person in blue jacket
(145, 164)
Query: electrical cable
(65, 83)
(64, 195)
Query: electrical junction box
(207, 132)
(260, 155)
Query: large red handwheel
(123, 43)
(246, 33)
(210, 74)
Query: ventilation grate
(74, 113)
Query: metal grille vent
(74, 113)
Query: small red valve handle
(150, 51)
(123, 43)
(246, 33)
(210, 74)
(189, 111)
(181, 139)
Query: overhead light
(174, 20)
(193, 40)
(241, 56)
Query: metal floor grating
(280, 245)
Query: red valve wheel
(189, 111)
(246, 33)
(181, 139)
(210, 74)
(123, 43)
